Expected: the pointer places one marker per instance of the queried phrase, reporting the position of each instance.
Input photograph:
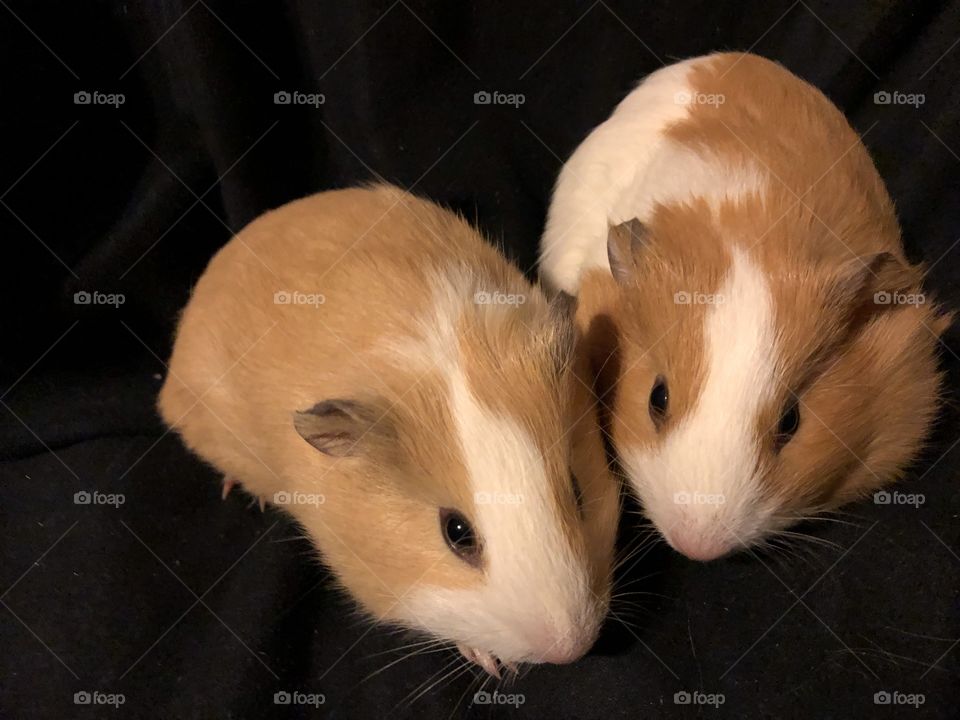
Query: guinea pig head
(471, 498)
(754, 386)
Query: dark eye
(789, 422)
(459, 534)
(659, 400)
(577, 492)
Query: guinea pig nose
(698, 547)
(559, 649)
(562, 652)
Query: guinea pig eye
(789, 422)
(460, 537)
(659, 400)
(577, 492)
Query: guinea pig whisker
(629, 625)
(407, 656)
(623, 585)
(478, 682)
(456, 662)
(805, 537)
(784, 552)
(633, 593)
(448, 679)
(627, 557)
(818, 518)
(432, 642)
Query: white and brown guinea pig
(767, 348)
(364, 359)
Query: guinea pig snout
(699, 546)
(560, 644)
(561, 649)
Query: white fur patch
(624, 168)
(536, 594)
(700, 487)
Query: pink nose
(561, 654)
(699, 548)
(559, 648)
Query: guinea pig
(363, 359)
(766, 349)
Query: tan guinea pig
(365, 360)
(770, 351)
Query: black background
(193, 607)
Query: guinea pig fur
(766, 349)
(364, 360)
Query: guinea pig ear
(562, 330)
(869, 282)
(343, 427)
(563, 306)
(624, 243)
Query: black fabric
(193, 607)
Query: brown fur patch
(244, 363)
(826, 237)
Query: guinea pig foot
(481, 658)
(228, 484)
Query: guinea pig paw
(228, 484)
(481, 658)
(263, 503)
